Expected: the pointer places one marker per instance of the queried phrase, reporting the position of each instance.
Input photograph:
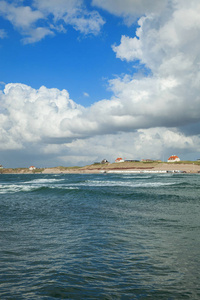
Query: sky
(86, 80)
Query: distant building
(104, 161)
(173, 158)
(147, 160)
(131, 160)
(119, 159)
(1, 167)
(31, 168)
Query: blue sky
(87, 80)
(80, 63)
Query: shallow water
(113, 236)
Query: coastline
(124, 167)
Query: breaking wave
(67, 182)
(125, 183)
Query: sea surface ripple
(102, 236)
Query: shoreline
(125, 167)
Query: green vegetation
(61, 168)
(13, 170)
(38, 170)
(149, 162)
(188, 162)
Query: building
(1, 167)
(147, 160)
(119, 159)
(173, 158)
(31, 168)
(104, 161)
(131, 160)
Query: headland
(123, 167)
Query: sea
(99, 236)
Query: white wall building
(173, 158)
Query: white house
(31, 168)
(119, 159)
(173, 158)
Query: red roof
(118, 159)
(173, 157)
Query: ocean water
(104, 236)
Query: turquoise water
(110, 236)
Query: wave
(64, 184)
(99, 183)
(44, 180)
(14, 188)
(11, 189)
(134, 176)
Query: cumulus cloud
(129, 49)
(50, 119)
(31, 116)
(28, 19)
(167, 44)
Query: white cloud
(31, 116)
(155, 143)
(20, 16)
(37, 34)
(58, 8)
(27, 19)
(24, 19)
(85, 22)
(50, 120)
(168, 45)
(72, 13)
(131, 9)
(129, 49)
(166, 42)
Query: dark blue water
(100, 236)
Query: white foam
(142, 184)
(135, 176)
(44, 181)
(131, 181)
(14, 188)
